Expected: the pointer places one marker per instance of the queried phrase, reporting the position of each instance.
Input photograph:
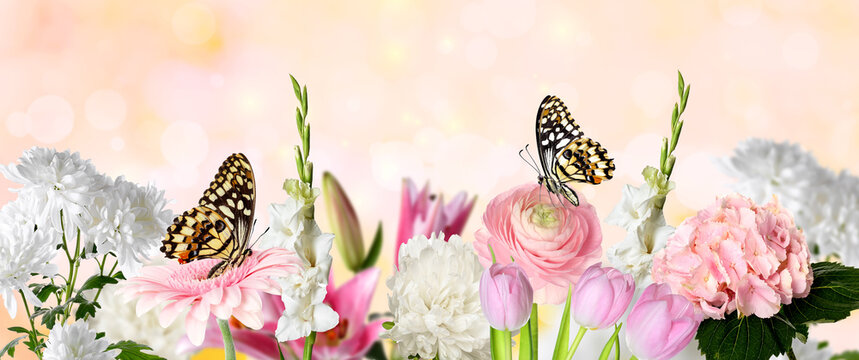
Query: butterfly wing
(565, 154)
(233, 194)
(219, 228)
(199, 233)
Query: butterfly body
(565, 154)
(220, 225)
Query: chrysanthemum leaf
(130, 350)
(98, 282)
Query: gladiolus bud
(661, 323)
(601, 297)
(344, 223)
(506, 296)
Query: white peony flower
(23, 252)
(834, 228)
(58, 181)
(765, 168)
(304, 310)
(118, 319)
(635, 207)
(76, 341)
(634, 255)
(811, 350)
(130, 221)
(435, 300)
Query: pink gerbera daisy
(234, 293)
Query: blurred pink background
(444, 92)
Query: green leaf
(680, 83)
(375, 249)
(847, 355)
(49, 315)
(376, 352)
(119, 275)
(834, 294)
(97, 282)
(388, 325)
(295, 87)
(86, 309)
(746, 338)
(43, 291)
(303, 100)
(10, 347)
(562, 343)
(130, 350)
(528, 336)
(19, 329)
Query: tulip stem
(576, 341)
(500, 346)
(229, 347)
(528, 337)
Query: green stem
(791, 355)
(632, 357)
(528, 337)
(500, 346)
(308, 345)
(95, 299)
(508, 345)
(576, 341)
(229, 347)
(33, 336)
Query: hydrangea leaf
(834, 294)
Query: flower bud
(506, 296)
(661, 323)
(344, 222)
(601, 297)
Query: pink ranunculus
(552, 243)
(601, 297)
(422, 213)
(235, 293)
(660, 324)
(736, 255)
(506, 296)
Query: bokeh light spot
(193, 23)
(184, 144)
(105, 109)
(117, 143)
(51, 118)
(18, 124)
(800, 50)
(481, 52)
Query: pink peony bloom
(506, 296)
(735, 255)
(234, 293)
(349, 340)
(552, 243)
(660, 324)
(601, 297)
(422, 213)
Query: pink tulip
(422, 213)
(601, 297)
(506, 296)
(661, 323)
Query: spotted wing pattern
(220, 226)
(565, 154)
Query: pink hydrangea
(553, 242)
(736, 255)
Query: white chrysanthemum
(635, 207)
(58, 181)
(287, 222)
(76, 341)
(634, 255)
(765, 168)
(118, 319)
(23, 251)
(130, 222)
(811, 350)
(834, 228)
(304, 310)
(436, 302)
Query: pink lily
(422, 213)
(349, 340)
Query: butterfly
(565, 154)
(220, 225)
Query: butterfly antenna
(526, 160)
(259, 237)
(536, 164)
